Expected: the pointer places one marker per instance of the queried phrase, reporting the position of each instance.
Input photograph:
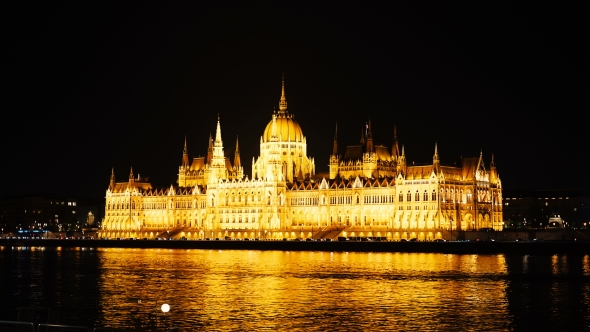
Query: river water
(212, 290)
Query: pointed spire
(370, 145)
(131, 178)
(283, 101)
(435, 159)
(335, 147)
(362, 136)
(112, 183)
(218, 131)
(210, 150)
(395, 147)
(237, 161)
(185, 154)
(401, 165)
(493, 172)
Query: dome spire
(283, 101)
(218, 132)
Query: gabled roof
(198, 164)
(353, 152)
(418, 172)
(468, 168)
(382, 153)
(121, 187)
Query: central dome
(287, 129)
(282, 125)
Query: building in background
(370, 192)
(35, 213)
(533, 208)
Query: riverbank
(454, 247)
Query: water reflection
(306, 290)
(275, 290)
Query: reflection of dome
(287, 129)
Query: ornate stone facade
(369, 192)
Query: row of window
(238, 219)
(416, 207)
(417, 196)
(155, 205)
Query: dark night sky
(95, 85)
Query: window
(425, 195)
(433, 195)
(401, 197)
(409, 196)
(417, 196)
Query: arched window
(434, 195)
(425, 195)
(409, 196)
(417, 196)
(401, 197)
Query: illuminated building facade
(370, 192)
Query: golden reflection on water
(275, 290)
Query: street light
(165, 308)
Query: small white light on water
(165, 307)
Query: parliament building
(369, 193)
